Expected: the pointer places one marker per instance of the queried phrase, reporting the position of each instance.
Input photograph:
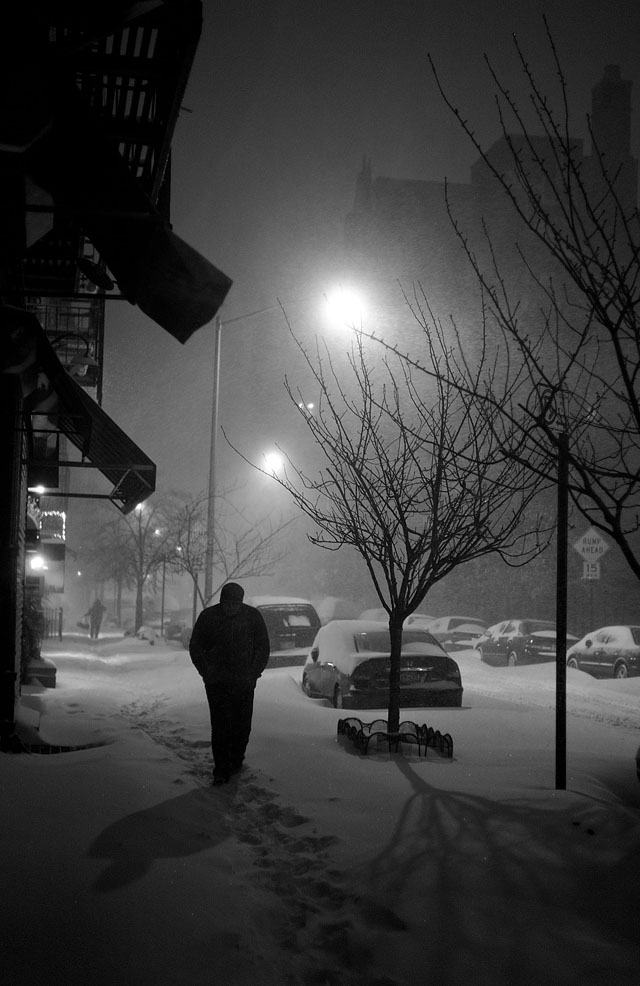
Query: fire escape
(92, 95)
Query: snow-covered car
(514, 642)
(610, 652)
(457, 632)
(173, 629)
(292, 624)
(349, 665)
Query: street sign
(591, 570)
(591, 545)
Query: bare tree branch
(580, 250)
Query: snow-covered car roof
(277, 601)
(621, 631)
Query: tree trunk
(194, 607)
(139, 607)
(118, 613)
(393, 714)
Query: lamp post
(345, 306)
(211, 517)
(561, 609)
(164, 578)
(211, 512)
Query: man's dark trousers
(231, 711)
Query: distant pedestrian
(229, 647)
(95, 613)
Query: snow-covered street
(317, 865)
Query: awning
(55, 404)
(102, 443)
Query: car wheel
(572, 663)
(306, 687)
(621, 670)
(338, 702)
(512, 659)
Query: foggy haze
(283, 102)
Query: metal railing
(52, 622)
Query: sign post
(561, 610)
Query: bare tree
(242, 548)
(133, 548)
(107, 562)
(570, 330)
(413, 479)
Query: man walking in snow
(230, 648)
(95, 614)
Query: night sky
(283, 101)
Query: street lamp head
(345, 306)
(273, 462)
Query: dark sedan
(610, 652)
(514, 642)
(349, 665)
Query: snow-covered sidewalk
(317, 865)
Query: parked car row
(609, 652)
(295, 634)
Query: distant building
(400, 229)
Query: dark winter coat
(230, 646)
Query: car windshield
(290, 625)
(413, 641)
(289, 616)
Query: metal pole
(164, 573)
(208, 563)
(561, 611)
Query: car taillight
(453, 671)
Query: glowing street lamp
(273, 462)
(345, 306)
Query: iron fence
(52, 622)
